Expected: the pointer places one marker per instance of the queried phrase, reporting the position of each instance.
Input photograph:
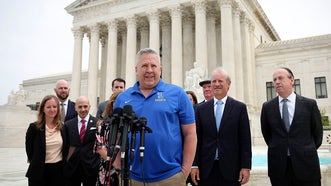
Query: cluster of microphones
(121, 123)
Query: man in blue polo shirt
(170, 148)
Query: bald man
(82, 164)
(67, 107)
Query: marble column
(246, 58)
(227, 41)
(166, 49)
(218, 42)
(119, 55)
(103, 68)
(123, 56)
(188, 43)
(131, 49)
(144, 36)
(211, 41)
(176, 46)
(92, 79)
(154, 30)
(238, 55)
(77, 63)
(200, 33)
(111, 70)
(252, 88)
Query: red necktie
(82, 131)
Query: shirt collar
(290, 98)
(223, 100)
(65, 102)
(86, 118)
(158, 88)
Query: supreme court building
(209, 33)
(193, 37)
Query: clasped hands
(243, 176)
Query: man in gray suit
(292, 128)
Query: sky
(36, 38)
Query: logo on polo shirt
(160, 97)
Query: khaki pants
(175, 180)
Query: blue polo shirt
(166, 109)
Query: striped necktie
(82, 131)
(63, 112)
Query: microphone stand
(131, 124)
(129, 117)
(124, 156)
(109, 132)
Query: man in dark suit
(293, 135)
(82, 163)
(67, 107)
(117, 85)
(224, 154)
(206, 88)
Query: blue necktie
(286, 117)
(218, 113)
(218, 116)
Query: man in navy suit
(224, 154)
(82, 164)
(62, 92)
(292, 148)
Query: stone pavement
(13, 165)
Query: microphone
(117, 122)
(128, 116)
(133, 123)
(118, 112)
(133, 142)
(109, 119)
(143, 130)
(128, 113)
(143, 121)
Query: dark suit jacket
(80, 157)
(71, 112)
(101, 108)
(303, 139)
(35, 147)
(233, 139)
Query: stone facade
(210, 33)
(308, 58)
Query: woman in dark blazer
(44, 145)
